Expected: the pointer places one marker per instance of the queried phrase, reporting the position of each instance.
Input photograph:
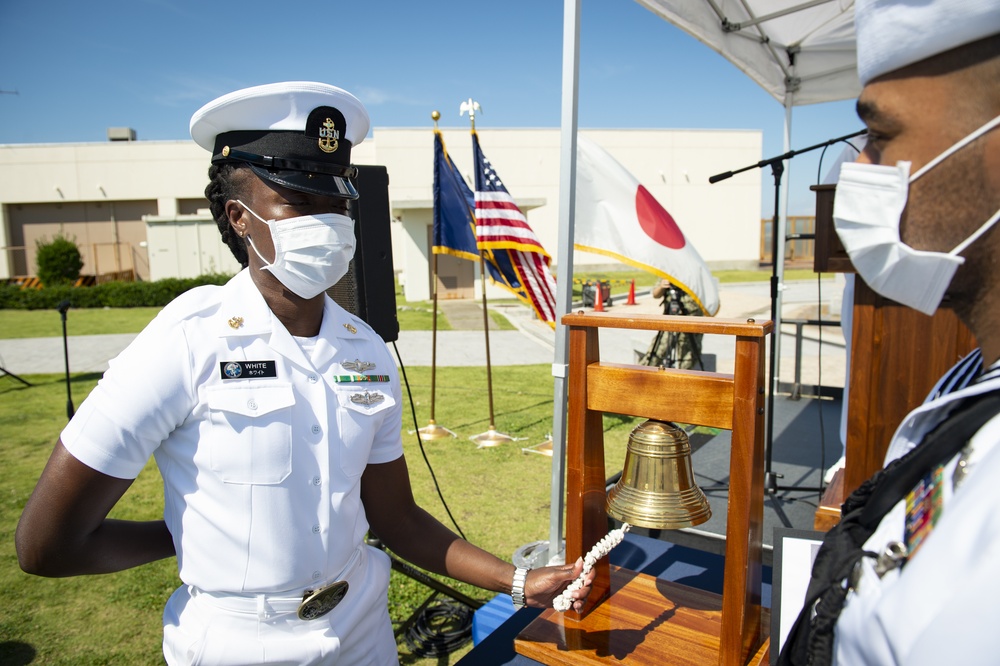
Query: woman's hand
(546, 583)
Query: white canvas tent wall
(799, 51)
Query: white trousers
(212, 629)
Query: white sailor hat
(892, 34)
(298, 134)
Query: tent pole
(564, 269)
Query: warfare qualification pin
(367, 398)
(358, 365)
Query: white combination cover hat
(892, 34)
(298, 134)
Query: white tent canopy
(799, 51)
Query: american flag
(502, 229)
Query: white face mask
(311, 252)
(869, 201)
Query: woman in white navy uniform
(274, 417)
(917, 215)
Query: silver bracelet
(517, 589)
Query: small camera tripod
(663, 352)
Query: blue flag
(455, 222)
(454, 203)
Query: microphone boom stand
(777, 169)
(63, 307)
(5, 371)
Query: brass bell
(657, 488)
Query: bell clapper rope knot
(564, 601)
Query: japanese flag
(616, 216)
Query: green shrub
(59, 261)
(110, 294)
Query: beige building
(137, 207)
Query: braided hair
(227, 182)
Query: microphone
(776, 162)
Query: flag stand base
(490, 438)
(543, 448)
(433, 431)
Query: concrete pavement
(532, 343)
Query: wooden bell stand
(632, 616)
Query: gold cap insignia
(235, 322)
(328, 137)
(350, 327)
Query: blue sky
(81, 67)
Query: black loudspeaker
(368, 290)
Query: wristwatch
(517, 589)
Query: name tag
(247, 369)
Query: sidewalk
(532, 343)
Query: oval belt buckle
(317, 603)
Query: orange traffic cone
(631, 294)
(598, 298)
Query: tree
(59, 261)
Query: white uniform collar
(244, 312)
(923, 418)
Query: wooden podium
(635, 617)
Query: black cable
(822, 429)
(819, 386)
(441, 628)
(819, 307)
(819, 168)
(413, 411)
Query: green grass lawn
(499, 496)
(48, 323)
(84, 321)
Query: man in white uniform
(274, 417)
(918, 214)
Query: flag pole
(491, 437)
(432, 430)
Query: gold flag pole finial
(432, 430)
